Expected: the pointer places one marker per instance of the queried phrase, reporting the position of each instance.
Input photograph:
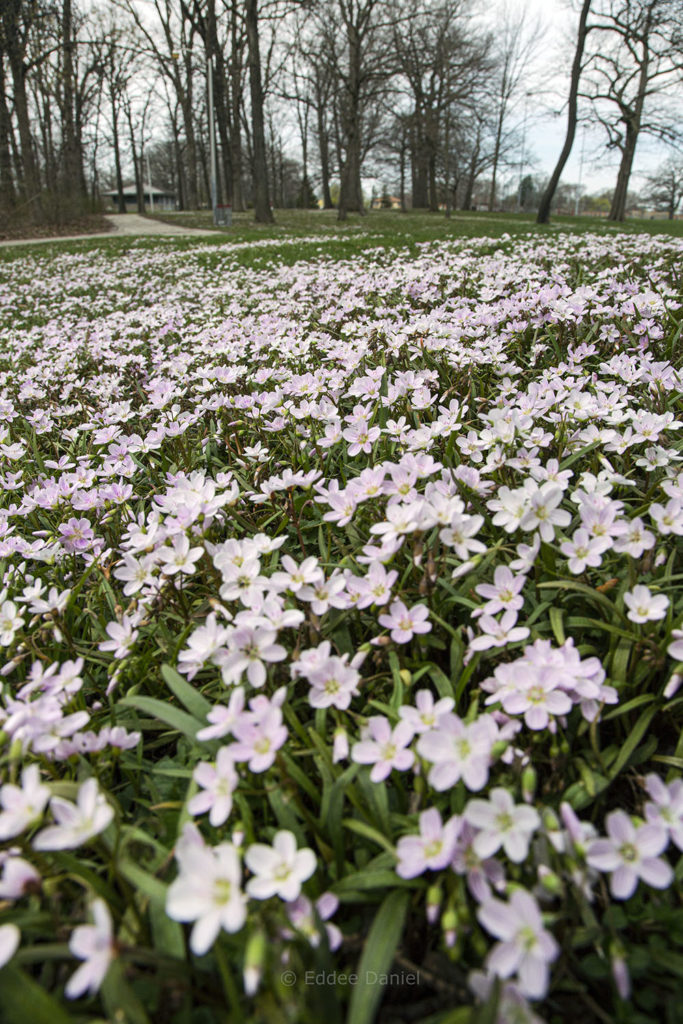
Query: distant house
(155, 198)
(385, 203)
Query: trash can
(223, 215)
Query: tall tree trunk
(49, 158)
(15, 53)
(262, 211)
(324, 150)
(72, 160)
(618, 207)
(117, 154)
(433, 192)
(496, 158)
(191, 199)
(7, 192)
(351, 191)
(225, 127)
(137, 163)
(543, 216)
(472, 173)
(633, 120)
(419, 164)
(236, 161)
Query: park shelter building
(155, 198)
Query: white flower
(218, 782)
(93, 943)
(630, 853)
(542, 512)
(644, 606)
(405, 622)
(207, 890)
(278, 870)
(502, 823)
(526, 948)
(18, 878)
(22, 805)
(10, 622)
(248, 650)
(498, 634)
(584, 549)
(76, 823)
(179, 558)
(384, 748)
(122, 637)
(458, 751)
(10, 937)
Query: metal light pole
(523, 154)
(578, 187)
(149, 182)
(212, 136)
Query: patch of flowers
(341, 625)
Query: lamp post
(523, 153)
(578, 187)
(212, 136)
(149, 182)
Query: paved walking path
(129, 224)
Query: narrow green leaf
(632, 741)
(377, 956)
(147, 884)
(364, 880)
(630, 705)
(190, 698)
(556, 615)
(118, 997)
(23, 1000)
(588, 592)
(443, 684)
(368, 832)
(174, 717)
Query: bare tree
(17, 18)
(516, 41)
(639, 59)
(442, 60)
(262, 210)
(543, 215)
(354, 42)
(166, 35)
(7, 189)
(664, 188)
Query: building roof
(130, 190)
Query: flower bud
(551, 882)
(340, 747)
(550, 821)
(620, 972)
(254, 959)
(528, 784)
(449, 924)
(673, 685)
(434, 897)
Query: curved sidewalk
(128, 224)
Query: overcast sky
(549, 84)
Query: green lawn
(420, 225)
(379, 228)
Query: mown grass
(379, 229)
(420, 225)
